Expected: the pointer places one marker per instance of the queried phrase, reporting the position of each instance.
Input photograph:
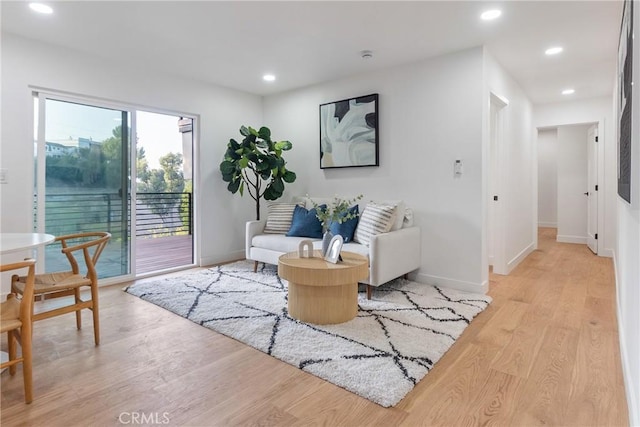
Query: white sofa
(391, 255)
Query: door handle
(586, 194)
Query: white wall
(547, 178)
(627, 254)
(430, 114)
(517, 156)
(221, 112)
(595, 110)
(572, 183)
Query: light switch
(3, 176)
(457, 167)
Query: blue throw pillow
(305, 223)
(347, 228)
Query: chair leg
(96, 316)
(255, 266)
(27, 368)
(11, 347)
(368, 291)
(76, 294)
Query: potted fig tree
(256, 165)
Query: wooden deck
(160, 253)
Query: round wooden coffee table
(321, 292)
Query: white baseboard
(548, 224)
(518, 258)
(581, 240)
(478, 288)
(633, 395)
(219, 259)
(607, 253)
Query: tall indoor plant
(257, 164)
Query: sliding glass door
(92, 175)
(82, 178)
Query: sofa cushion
(277, 242)
(400, 213)
(305, 223)
(375, 219)
(347, 228)
(279, 218)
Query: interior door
(592, 190)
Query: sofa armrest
(394, 254)
(252, 229)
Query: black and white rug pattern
(380, 355)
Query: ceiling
(304, 42)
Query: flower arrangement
(337, 211)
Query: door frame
(36, 91)
(495, 209)
(592, 150)
(600, 174)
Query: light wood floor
(545, 352)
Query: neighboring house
(57, 149)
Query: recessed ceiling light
(41, 8)
(568, 91)
(490, 14)
(268, 77)
(553, 50)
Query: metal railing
(157, 214)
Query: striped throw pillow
(279, 218)
(374, 220)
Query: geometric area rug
(380, 355)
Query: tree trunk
(258, 209)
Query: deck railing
(157, 214)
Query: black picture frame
(625, 78)
(349, 133)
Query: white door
(592, 189)
(495, 221)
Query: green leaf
(289, 177)
(242, 188)
(264, 133)
(243, 162)
(283, 145)
(244, 131)
(262, 166)
(277, 185)
(234, 185)
(252, 131)
(227, 167)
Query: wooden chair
(15, 319)
(64, 283)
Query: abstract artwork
(349, 132)
(625, 86)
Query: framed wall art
(625, 86)
(349, 132)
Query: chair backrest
(26, 305)
(92, 244)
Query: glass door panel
(84, 153)
(164, 188)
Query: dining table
(16, 242)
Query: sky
(157, 133)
